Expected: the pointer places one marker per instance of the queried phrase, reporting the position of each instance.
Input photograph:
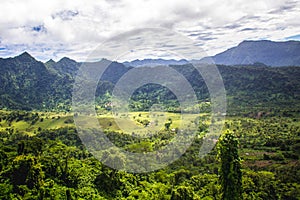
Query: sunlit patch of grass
(46, 121)
(145, 122)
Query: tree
(183, 192)
(26, 170)
(168, 124)
(230, 171)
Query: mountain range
(270, 53)
(30, 84)
(154, 62)
(266, 52)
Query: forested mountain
(267, 52)
(64, 66)
(29, 84)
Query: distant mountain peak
(66, 59)
(248, 52)
(25, 54)
(25, 57)
(50, 62)
(65, 66)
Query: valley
(42, 155)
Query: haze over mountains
(246, 53)
(154, 62)
(30, 84)
(266, 52)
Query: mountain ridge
(30, 84)
(248, 52)
(270, 53)
(154, 62)
(27, 83)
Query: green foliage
(230, 171)
(261, 185)
(183, 192)
(53, 164)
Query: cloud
(249, 29)
(65, 14)
(54, 29)
(288, 6)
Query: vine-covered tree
(230, 170)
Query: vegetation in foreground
(43, 158)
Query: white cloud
(73, 28)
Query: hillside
(267, 52)
(29, 84)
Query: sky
(54, 29)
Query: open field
(45, 120)
(132, 122)
(143, 122)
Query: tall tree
(230, 171)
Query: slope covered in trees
(29, 84)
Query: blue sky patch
(294, 37)
(39, 28)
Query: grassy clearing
(128, 123)
(45, 121)
(143, 122)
